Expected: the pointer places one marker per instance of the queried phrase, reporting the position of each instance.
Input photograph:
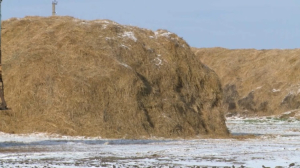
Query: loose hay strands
(98, 78)
(256, 82)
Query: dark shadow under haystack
(98, 78)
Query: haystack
(99, 78)
(256, 82)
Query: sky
(233, 24)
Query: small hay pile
(256, 82)
(98, 78)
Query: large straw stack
(256, 82)
(98, 78)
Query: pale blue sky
(260, 24)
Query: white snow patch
(259, 87)
(297, 111)
(275, 90)
(294, 89)
(166, 34)
(83, 22)
(130, 35)
(27, 138)
(124, 46)
(125, 65)
(105, 22)
(104, 26)
(162, 33)
(158, 61)
(277, 144)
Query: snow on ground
(277, 144)
(264, 126)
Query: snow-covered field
(277, 143)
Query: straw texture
(99, 78)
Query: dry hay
(259, 82)
(98, 78)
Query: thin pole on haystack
(54, 3)
(3, 105)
